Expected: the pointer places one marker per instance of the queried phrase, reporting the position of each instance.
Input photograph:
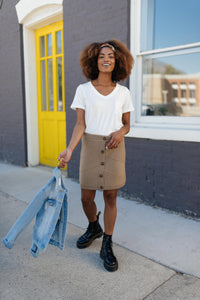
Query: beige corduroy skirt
(101, 168)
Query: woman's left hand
(116, 138)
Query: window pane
(58, 42)
(49, 44)
(169, 23)
(50, 84)
(59, 84)
(42, 46)
(171, 85)
(43, 81)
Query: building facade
(40, 43)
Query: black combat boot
(93, 232)
(106, 253)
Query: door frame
(33, 15)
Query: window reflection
(42, 46)
(50, 83)
(171, 85)
(49, 44)
(59, 42)
(59, 84)
(169, 23)
(43, 81)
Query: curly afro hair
(123, 60)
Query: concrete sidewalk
(150, 244)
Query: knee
(110, 199)
(87, 198)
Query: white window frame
(156, 127)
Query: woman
(103, 118)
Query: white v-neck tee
(103, 114)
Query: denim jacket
(50, 207)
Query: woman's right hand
(64, 157)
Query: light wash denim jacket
(50, 207)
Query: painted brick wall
(11, 112)
(165, 174)
(160, 173)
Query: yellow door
(51, 96)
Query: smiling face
(106, 60)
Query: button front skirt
(101, 168)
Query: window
(174, 87)
(192, 93)
(165, 42)
(183, 94)
(169, 23)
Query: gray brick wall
(165, 174)
(11, 105)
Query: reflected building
(184, 92)
(171, 94)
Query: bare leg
(94, 230)
(89, 206)
(110, 212)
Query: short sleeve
(127, 106)
(79, 99)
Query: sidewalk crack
(160, 286)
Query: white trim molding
(33, 15)
(26, 7)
